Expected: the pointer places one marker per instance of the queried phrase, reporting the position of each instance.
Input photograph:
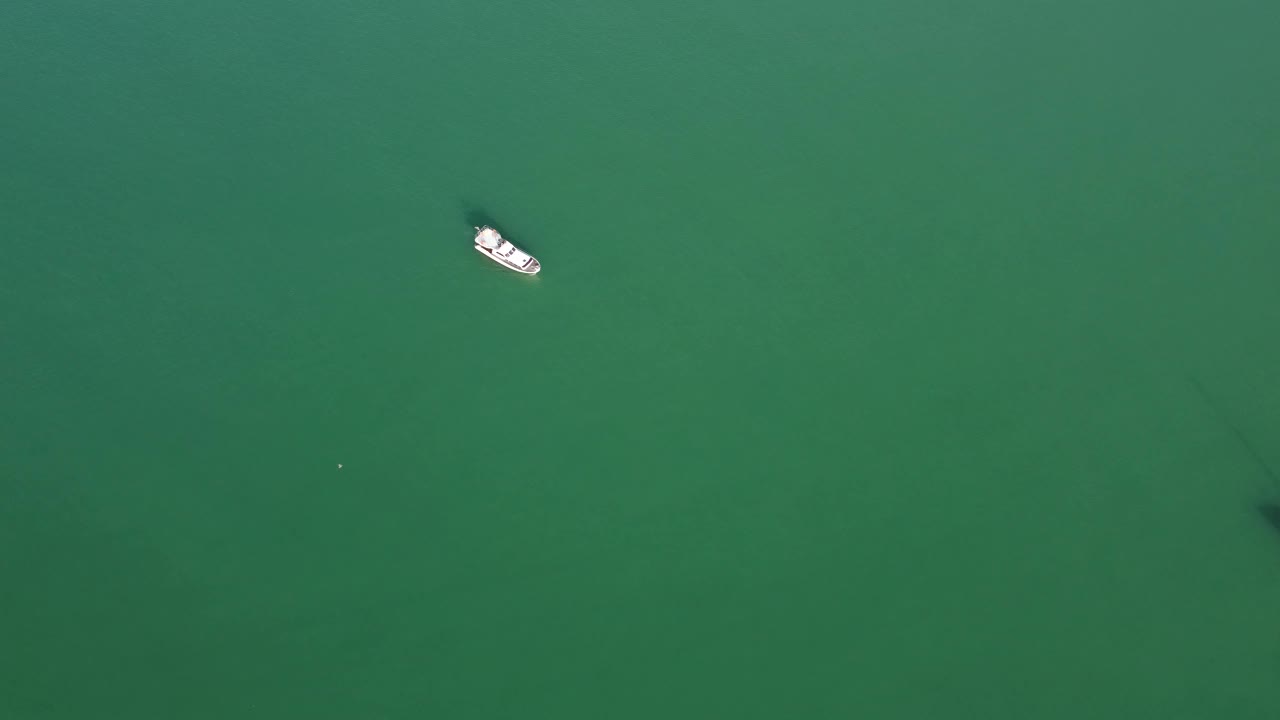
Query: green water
(860, 380)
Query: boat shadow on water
(1270, 512)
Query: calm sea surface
(889, 360)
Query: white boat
(503, 252)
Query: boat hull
(531, 269)
(504, 252)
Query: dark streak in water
(1258, 459)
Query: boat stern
(487, 237)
